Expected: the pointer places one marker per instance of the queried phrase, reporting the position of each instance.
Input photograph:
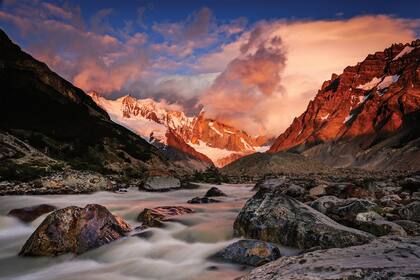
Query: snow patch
(262, 149)
(211, 124)
(324, 117)
(349, 117)
(405, 51)
(369, 85)
(247, 146)
(228, 131)
(213, 153)
(387, 81)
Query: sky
(251, 64)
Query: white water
(180, 250)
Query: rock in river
(213, 191)
(202, 200)
(274, 217)
(28, 214)
(76, 230)
(154, 217)
(250, 252)
(160, 184)
(384, 258)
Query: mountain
(367, 117)
(199, 136)
(47, 123)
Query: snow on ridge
(349, 117)
(228, 131)
(324, 117)
(369, 85)
(387, 81)
(213, 153)
(405, 51)
(211, 124)
(247, 146)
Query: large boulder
(160, 184)
(154, 217)
(75, 230)
(384, 258)
(28, 214)
(274, 217)
(250, 252)
(342, 210)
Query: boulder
(319, 190)
(28, 214)
(412, 228)
(250, 252)
(384, 258)
(75, 230)
(154, 217)
(342, 210)
(212, 192)
(295, 191)
(274, 217)
(410, 211)
(202, 200)
(270, 183)
(382, 227)
(160, 184)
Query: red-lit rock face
(369, 101)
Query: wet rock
(250, 252)
(160, 184)
(275, 217)
(212, 192)
(75, 230)
(154, 217)
(202, 200)
(189, 185)
(384, 258)
(342, 210)
(410, 212)
(28, 214)
(412, 228)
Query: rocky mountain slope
(47, 123)
(199, 136)
(369, 116)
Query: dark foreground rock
(75, 230)
(28, 214)
(212, 192)
(411, 211)
(412, 228)
(384, 258)
(250, 252)
(160, 184)
(154, 217)
(274, 217)
(202, 200)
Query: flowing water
(180, 250)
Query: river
(180, 250)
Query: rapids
(180, 250)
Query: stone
(213, 191)
(28, 214)
(154, 217)
(381, 227)
(250, 252)
(342, 210)
(202, 200)
(270, 183)
(160, 184)
(410, 211)
(318, 190)
(75, 230)
(274, 217)
(383, 258)
(295, 191)
(369, 216)
(412, 228)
